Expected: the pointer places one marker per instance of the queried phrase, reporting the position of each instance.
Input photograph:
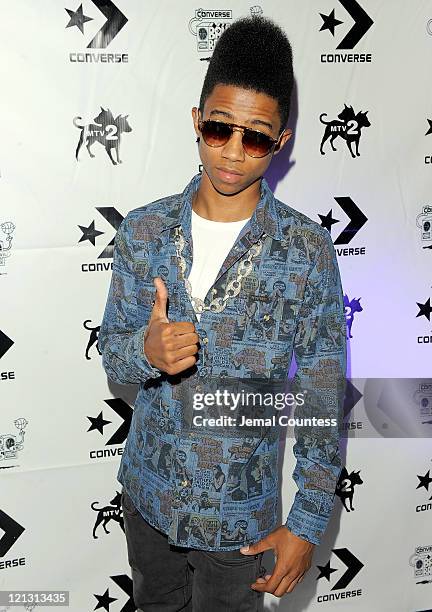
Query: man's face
(228, 167)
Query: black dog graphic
(345, 486)
(106, 129)
(94, 332)
(349, 128)
(108, 513)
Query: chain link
(232, 288)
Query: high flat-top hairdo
(253, 53)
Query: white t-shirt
(212, 241)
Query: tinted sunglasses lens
(215, 133)
(256, 144)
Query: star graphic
(328, 220)
(77, 18)
(424, 481)
(424, 309)
(430, 127)
(98, 423)
(104, 600)
(325, 571)
(89, 233)
(329, 22)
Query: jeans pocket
(261, 569)
(234, 558)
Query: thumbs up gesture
(169, 346)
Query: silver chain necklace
(232, 288)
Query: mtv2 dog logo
(348, 126)
(105, 129)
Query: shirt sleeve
(121, 338)
(320, 353)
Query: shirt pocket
(177, 299)
(145, 294)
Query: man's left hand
(293, 559)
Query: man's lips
(228, 176)
(228, 170)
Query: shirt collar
(264, 218)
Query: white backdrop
(62, 425)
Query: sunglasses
(218, 133)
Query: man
(197, 278)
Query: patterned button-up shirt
(217, 489)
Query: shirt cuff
(299, 523)
(138, 356)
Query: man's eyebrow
(216, 111)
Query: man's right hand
(169, 346)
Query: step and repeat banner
(95, 106)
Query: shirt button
(205, 340)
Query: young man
(223, 280)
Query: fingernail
(244, 549)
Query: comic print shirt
(217, 488)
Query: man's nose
(233, 150)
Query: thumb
(159, 311)
(254, 549)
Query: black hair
(253, 53)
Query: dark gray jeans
(169, 578)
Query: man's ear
(286, 135)
(195, 117)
